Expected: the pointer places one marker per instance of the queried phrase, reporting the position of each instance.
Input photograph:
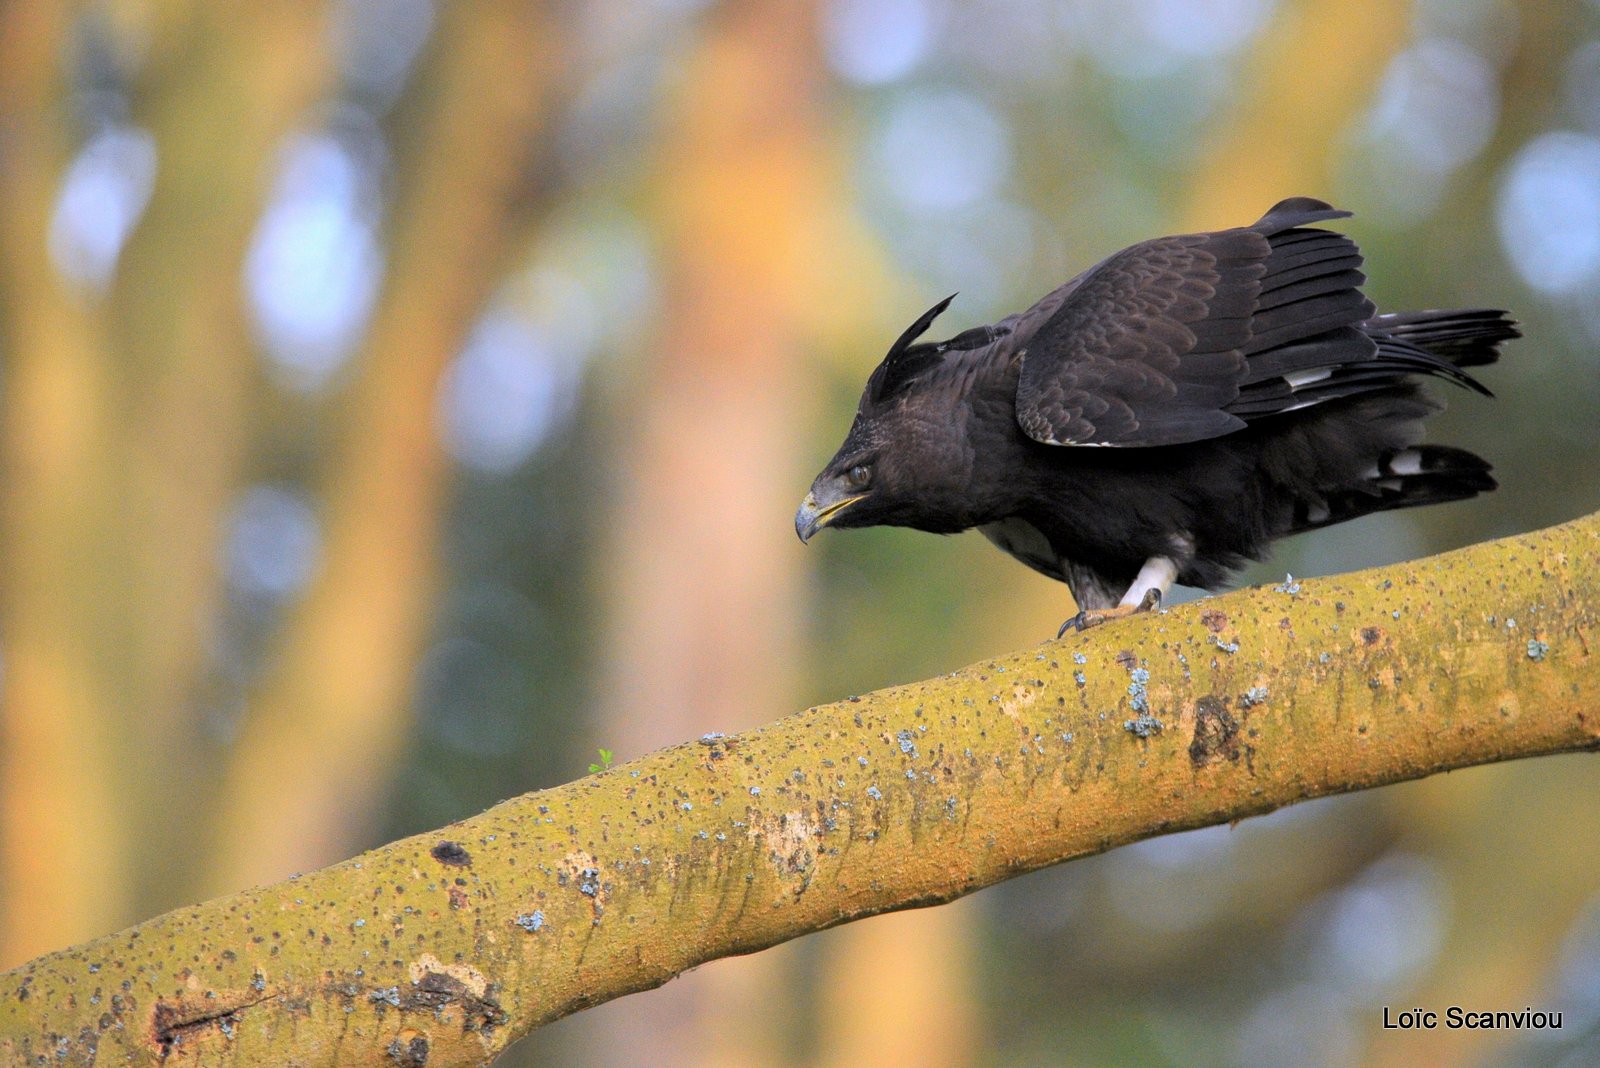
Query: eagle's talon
(1086, 619)
(1075, 623)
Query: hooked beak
(812, 516)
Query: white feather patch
(1158, 573)
(1296, 379)
(1406, 462)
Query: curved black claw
(1075, 623)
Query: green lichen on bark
(443, 948)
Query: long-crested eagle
(1165, 415)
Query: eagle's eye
(859, 476)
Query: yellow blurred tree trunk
(126, 421)
(123, 432)
(747, 197)
(1302, 87)
(63, 858)
(227, 83)
(753, 202)
(898, 991)
(320, 744)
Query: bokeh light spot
(273, 542)
(942, 149)
(876, 41)
(105, 191)
(1437, 105)
(1549, 212)
(1386, 926)
(312, 272)
(1200, 27)
(501, 396)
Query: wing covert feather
(1184, 338)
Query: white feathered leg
(1149, 587)
(1158, 574)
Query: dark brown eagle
(1165, 415)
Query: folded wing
(1190, 337)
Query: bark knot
(1216, 733)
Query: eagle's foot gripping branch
(1095, 616)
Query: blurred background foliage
(401, 400)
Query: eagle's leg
(1149, 587)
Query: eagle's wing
(1190, 337)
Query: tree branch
(448, 946)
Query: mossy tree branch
(447, 946)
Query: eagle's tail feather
(1405, 478)
(1467, 337)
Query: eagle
(1166, 415)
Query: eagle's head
(867, 483)
(892, 469)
